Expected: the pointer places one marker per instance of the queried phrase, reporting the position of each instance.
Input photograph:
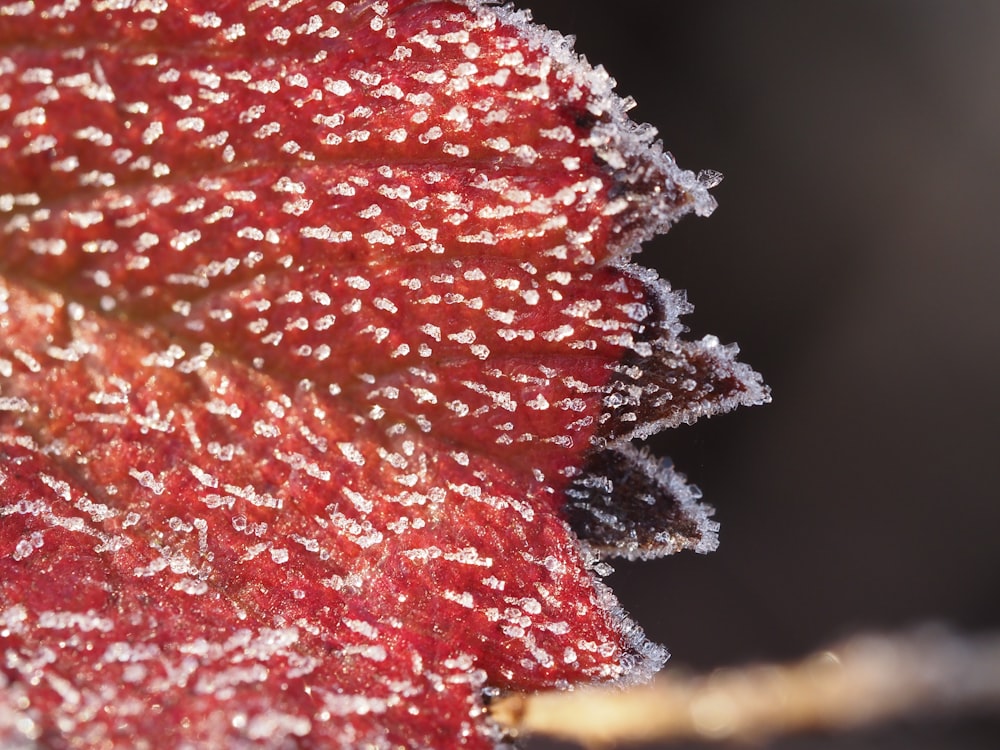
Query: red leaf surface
(318, 335)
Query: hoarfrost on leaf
(321, 351)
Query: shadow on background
(855, 259)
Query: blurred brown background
(854, 257)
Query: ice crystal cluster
(320, 352)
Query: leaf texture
(318, 333)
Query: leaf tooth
(663, 381)
(625, 503)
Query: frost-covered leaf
(318, 332)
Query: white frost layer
(643, 658)
(620, 141)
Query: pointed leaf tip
(625, 503)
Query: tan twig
(861, 681)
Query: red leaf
(318, 330)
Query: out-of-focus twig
(861, 681)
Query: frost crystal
(321, 348)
